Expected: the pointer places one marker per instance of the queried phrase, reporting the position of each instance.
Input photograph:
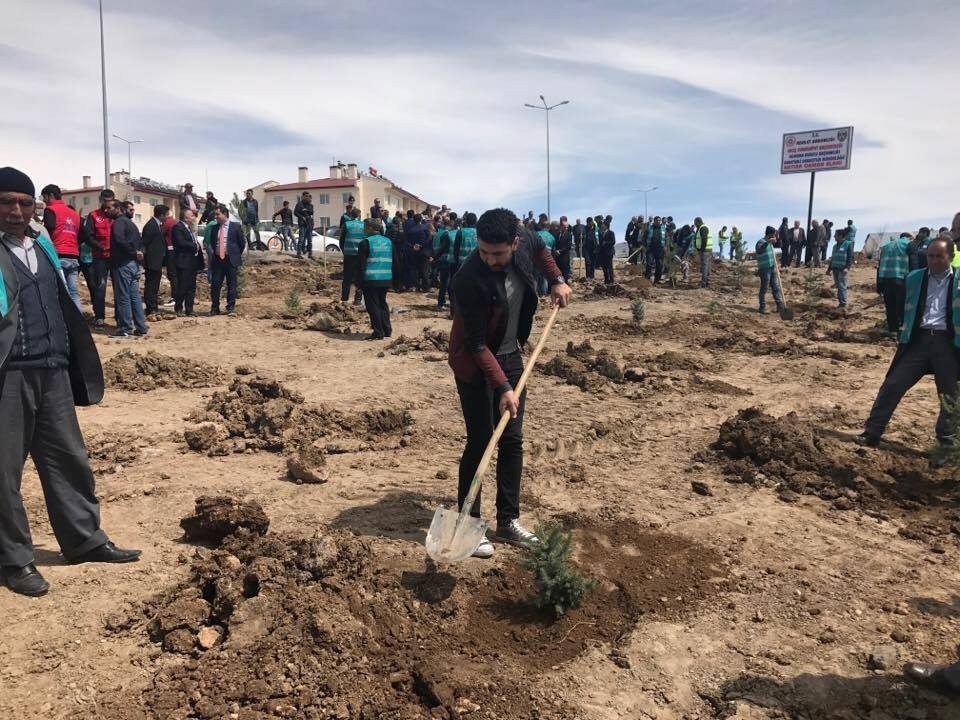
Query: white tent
(874, 241)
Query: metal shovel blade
(452, 537)
(786, 313)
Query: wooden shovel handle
(505, 417)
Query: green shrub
(560, 584)
(638, 309)
(292, 301)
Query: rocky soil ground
(280, 474)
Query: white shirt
(24, 250)
(935, 311)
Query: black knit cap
(12, 180)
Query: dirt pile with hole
(429, 340)
(217, 516)
(318, 627)
(128, 370)
(796, 458)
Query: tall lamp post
(103, 90)
(547, 108)
(129, 161)
(648, 190)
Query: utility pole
(547, 108)
(129, 155)
(103, 91)
(646, 215)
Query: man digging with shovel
(496, 295)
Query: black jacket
(186, 254)
(154, 246)
(564, 240)
(125, 241)
(304, 212)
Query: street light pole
(103, 90)
(646, 215)
(547, 108)
(129, 161)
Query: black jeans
(423, 273)
(926, 353)
(39, 419)
(479, 404)
(86, 269)
(563, 262)
(605, 263)
(654, 265)
(351, 266)
(588, 262)
(186, 290)
(894, 296)
(151, 289)
(446, 272)
(375, 299)
(101, 271)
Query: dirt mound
(111, 452)
(217, 516)
(259, 413)
(128, 370)
(344, 318)
(796, 458)
(602, 290)
(318, 627)
(671, 360)
(429, 340)
(585, 367)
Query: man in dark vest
(48, 363)
(377, 258)
(929, 342)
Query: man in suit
(188, 259)
(226, 257)
(783, 237)
(48, 364)
(154, 257)
(126, 252)
(798, 240)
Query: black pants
(423, 273)
(480, 414)
(796, 254)
(351, 266)
(894, 295)
(925, 354)
(39, 419)
(633, 254)
(446, 272)
(186, 290)
(786, 253)
(654, 265)
(101, 272)
(588, 262)
(221, 270)
(375, 298)
(151, 290)
(605, 262)
(172, 274)
(563, 262)
(86, 269)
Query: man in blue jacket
(126, 253)
(226, 257)
(48, 364)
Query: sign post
(816, 151)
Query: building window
(345, 197)
(137, 218)
(277, 202)
(136, 199)
(324, 222)
(86, 200)
(153, 202)
(323, 199)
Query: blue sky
(692, 97)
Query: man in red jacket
(496, 295)
(99, 224)
(63, 225)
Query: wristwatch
(557, 281)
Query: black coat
(186, 252)
(125, 242)
(154, 246)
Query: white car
(270, 233)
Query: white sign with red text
(817, 150)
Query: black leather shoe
(867, 440)
(107, 553)
(25, 580)
(931, 676)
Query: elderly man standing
(48, 363)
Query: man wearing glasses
(48, 363)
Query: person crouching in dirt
(767, 271)
(929, 343)
(377, 257)
(496, 297)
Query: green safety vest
(894, 262)
(842, 255)
(447, 257)
(655, 230)
(765, 257)
(697, 240)
(548, 239)
(468, 242)
(352, 237)
(911, 306)
(851, 233)
(380, 262)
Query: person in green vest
(840, 263)
(736, 244)
(703, 244)
(722, 239)
(443, 244)
(543, 230)
(892, 271)
(929, 342)
(851, 233)
(376, 265)
(767, 271)
(350, 239)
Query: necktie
(222, 243)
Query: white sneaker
(515, 534)
(484, 549)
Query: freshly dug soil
(128, 370)
(797, 458)
(293, 627)
(429, 340)
(217, 516)
(109, 452)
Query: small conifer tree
(560, 584)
